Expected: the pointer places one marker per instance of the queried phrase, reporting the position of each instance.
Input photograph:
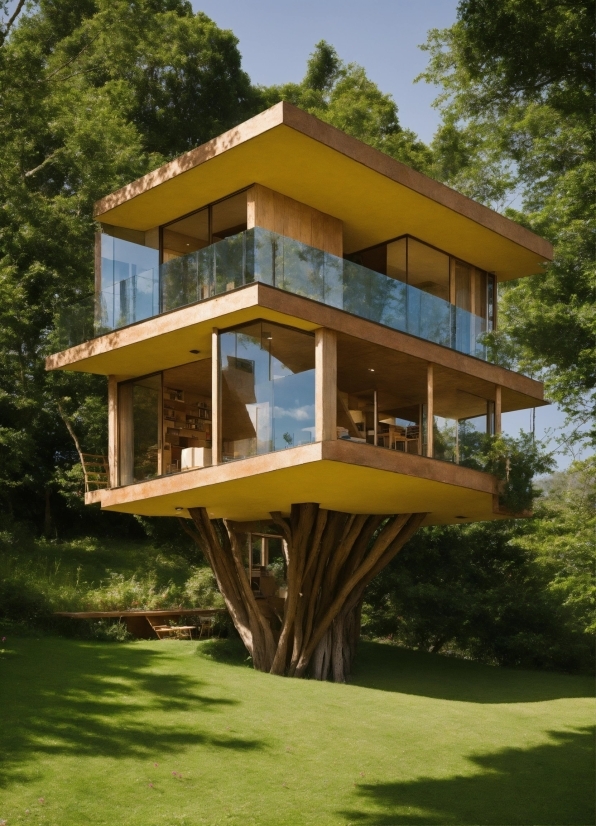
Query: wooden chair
(206, 627)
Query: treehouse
(295, 332)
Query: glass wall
(186, 416)
(207, 226)
(381, 396)
(195, 265)
(139, 429)
(268, 389)
(461, 426)
(436, 273)
(129, 289)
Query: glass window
(491, 298)
(397, 259)
(187, 235)
(374, 259)
(480, 296)
(268, 389)
(463, 286)
(187, 416)
(428, 269)
(228, 217)
(461, 424)
(138, 412)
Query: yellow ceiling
(372, 206)
(353, 488)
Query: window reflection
(205, 227)
(428, 269)
(268, 389)
(434, 272)
(138, 408)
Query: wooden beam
(325, 384)
(216, 445)
(498, 394)
(430, 411)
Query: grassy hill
(163, 733)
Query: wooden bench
(147, 625)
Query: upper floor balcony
(134, 286)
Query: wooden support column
(325, 384)
(497, 410)
(216, 444)
(430, 411)
(113, 431)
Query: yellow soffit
(376, 197)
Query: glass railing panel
(134, 288)
(230, 263)
(74, 324)
(468, 333)
(370, 295)
(264, 256)
(428, 317)
(179, 281)
(300, 269)
(121, 260)
(128, 301)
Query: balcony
(135, 287)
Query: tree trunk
(331, 557)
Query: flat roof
(375, 196)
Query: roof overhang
(376, 197)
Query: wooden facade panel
(278, 213)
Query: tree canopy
(92, 95)
(518, 126)
(341, 94)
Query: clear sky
(277, 36)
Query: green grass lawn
(154, 734)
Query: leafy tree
(518, 122)
(341, 94)
(92, 95)
(562, 537)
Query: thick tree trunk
(331, 557)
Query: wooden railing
(96, 471)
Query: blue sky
(384, 36)
(276, 39)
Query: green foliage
(341, 94)
(507, 592)
(93, 94)
(519, 122)
(516, 462)
(562, 538)
(38, 577)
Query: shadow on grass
(65, 697)
(228, 650)
(548, 785)
(389, 668)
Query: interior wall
(278, 213)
